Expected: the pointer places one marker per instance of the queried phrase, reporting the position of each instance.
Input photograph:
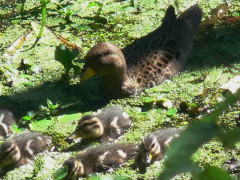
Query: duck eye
(99, 55)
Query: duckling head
(89, 127)
(151, 149)
(3, 132)
(75, 168)
(6, 120)
(9, 154)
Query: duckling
(6, 120)
(146, 62)
(99, 159)
(21, 148)
(106, 125)
(154, 145)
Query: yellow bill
(88, 73)
(73, 136)
(148, 158)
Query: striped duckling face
(99, 159)
(75, 168)
(21, 148)
(88, 127)
(154, 145)
(9, 154)
(152, 149)
(106, 125)
(6, 121)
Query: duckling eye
(88, 124)
(152, 145)
(96, 126)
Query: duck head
(106, 60)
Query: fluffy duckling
(6, 121)
(149, 60)
(99, 159)
(21, 148)
(106, 125)
(154, 145)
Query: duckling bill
(106, 125)
(99, 159)
(6, 121)
(146, 62)
(20, 149)
(154, 145)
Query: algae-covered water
(33, 86)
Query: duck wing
(162, 53)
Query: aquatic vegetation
(31, 78)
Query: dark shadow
(216, 43)
(74, 98)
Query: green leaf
(144, 113)
(193, 105)
(27, 118)
(172, 111)
(235, 14)
(30, 115)
(214, 173)
(61, 173)
(64, 56)
(70, 117)
(16, 129)
(94, 4)
(49, 103)
(229, 139)
(41, 125)
(27, 76)
(159, 89)
(165, 90)
(159, 111)
(28, 83)
(44, 16)
(148, 99)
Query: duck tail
(192, 16)
(169, 20)
(186, 26)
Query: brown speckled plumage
(149, 60)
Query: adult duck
(149, 60)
